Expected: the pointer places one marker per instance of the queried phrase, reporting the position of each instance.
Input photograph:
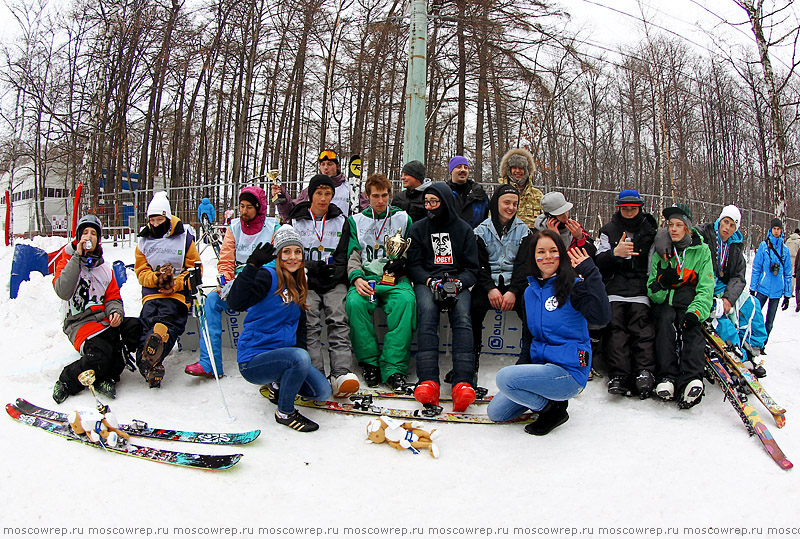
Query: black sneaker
(297, 421)
(107, 388)
(644, 383)
(757, 370)
(272, 392)
(397, 382)
(551, 416)
(372, 375)
(618, 385)
(60, 392)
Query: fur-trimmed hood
(505, 170)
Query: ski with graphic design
(140, 428)
(177, 458)
(717, 372)
(408, 394)
(730, 357)
(366, 406)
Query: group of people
(638, 294)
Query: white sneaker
(691, 394)
(665, 390)
(345, 385)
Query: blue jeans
(292, 366)
(213, 308)
(530, 387)
(772, 310)
(428, 337)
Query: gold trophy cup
(395, 247)
(272, 175)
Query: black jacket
(412, 201)
(318, 280)
(473, 205)
(734, 271)
(625, 277)
(453, 243)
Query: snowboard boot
(151, 355)
(551, 416)
(372, 374)
(665, 389)
(618, 385)
(397, 382)
(60, 392)
(297, 421)
(427, 392)
(644, 383)
(345, 385)
(692, 394)
(463, 396)
(107, 388)
(758, 370)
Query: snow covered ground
(618, 463)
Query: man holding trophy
(377, 273)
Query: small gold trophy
(272, 175)
(395, 247)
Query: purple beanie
(457, 160)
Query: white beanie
(731, 212)
(159, 205)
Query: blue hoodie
(762, 279)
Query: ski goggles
(329, 155)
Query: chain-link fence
(592, 208)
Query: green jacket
(362, 259)
(695, 289)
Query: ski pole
(199, 307)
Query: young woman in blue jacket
(565, 293)
(271, 346)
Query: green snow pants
(400, 306)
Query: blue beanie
(629, 197)
(457, 160)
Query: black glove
(667, 277)
(753, 293)
(785, 304)
(263, 254)
(396, 267)
(691, 320)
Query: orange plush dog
(401, 435)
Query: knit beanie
(629, 197)
(680, 211)
(318, 181)
(415, 169)
(731, 212)
(455, 161)
(159, 206)
(776, 222)
(284, 237)
(247, 196)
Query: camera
(775, 268)
(445, 296)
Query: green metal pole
(416, 88)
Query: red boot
(427, 392)
(463, 396)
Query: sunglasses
(328, 154)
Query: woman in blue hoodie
(272, 344)
(772, 273)
(565, 293)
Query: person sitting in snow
(271, 347)
(241, 237)
(738, 318)
(95, 321)
(565, 293)
(164, 255)
(681, 287)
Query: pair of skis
(724, 368)
(56, 423)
